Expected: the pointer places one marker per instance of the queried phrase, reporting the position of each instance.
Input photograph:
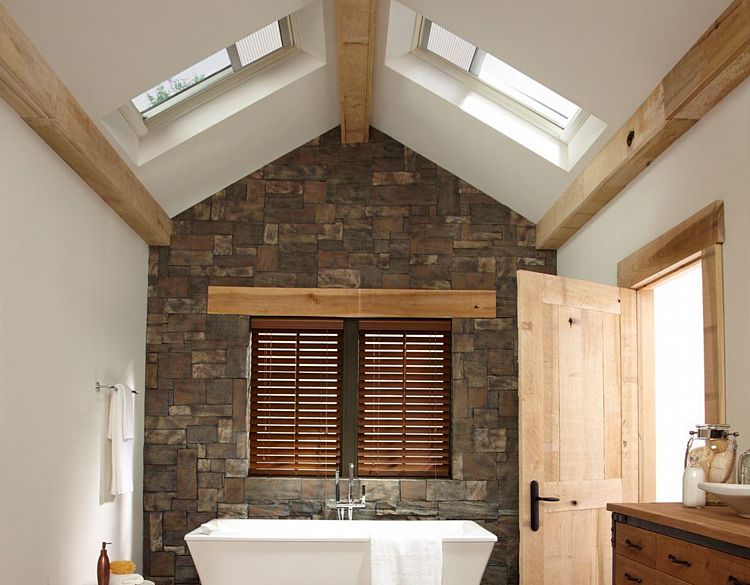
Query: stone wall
(376, 215)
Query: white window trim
(217, 84)
(504, 101)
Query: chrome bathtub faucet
(342, 506)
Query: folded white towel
(121, 434)
(132, 579)
(406, 560)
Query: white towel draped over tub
(406, 560)
(121, 434)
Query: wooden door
(578, 434)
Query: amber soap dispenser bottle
(102, 566)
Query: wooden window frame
(350, 388)
(698, 238)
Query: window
(404, 398)
(498, 81)
(678, 278)
(244, 56)
(326, 392)
(295, 397)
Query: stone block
(165, 437)
(259, 489)
(187, 473)
(202, 434)
(161, 564)
(233, 510)
(339, 278)
(174, 365)
(234, 490)
(189, 392)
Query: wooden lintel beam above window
(356, 41)
(710, 70)
(350, 303)
(34, 91)
(674, 249)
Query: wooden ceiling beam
(710, 70)
(356, 40)
(34, 91)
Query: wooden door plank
(591, 408)
(531, 417)
(356, 40)
(35, 92)
(629, 393)
(550, 355)
(581, 294)
(612, 380)
(587, 494)
(710, 70)
(572, 448)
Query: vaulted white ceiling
(605, 56)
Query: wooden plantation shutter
(404, 398)
(295, 396)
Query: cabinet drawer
(729, 570)
(683, 560)
(629, 572)
(636, 543)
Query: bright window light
(183, 80)
(502, 83)
(678, 369)
(221, 65)
(527, 92)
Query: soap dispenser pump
(102, 566)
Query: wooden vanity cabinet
(667, 544)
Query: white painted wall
(712, 161)
(73, 281)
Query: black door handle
(535, 499)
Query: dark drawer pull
(630, 544)
(630, 577)
(677, 561)
(735, 581)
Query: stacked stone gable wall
(375, 215)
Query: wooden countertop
(718, 522)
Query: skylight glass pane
(450, 47)
(526, 91)
(185, 79)
(259, 44)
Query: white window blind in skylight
(450, 47)
(532, 97)
(259, 44)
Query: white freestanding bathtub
(325, 552)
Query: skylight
(501, 82)
(225, 63)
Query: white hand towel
(121, 434)
(131, 579)
(406, 560)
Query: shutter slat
(295, 397)
(404, 398)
